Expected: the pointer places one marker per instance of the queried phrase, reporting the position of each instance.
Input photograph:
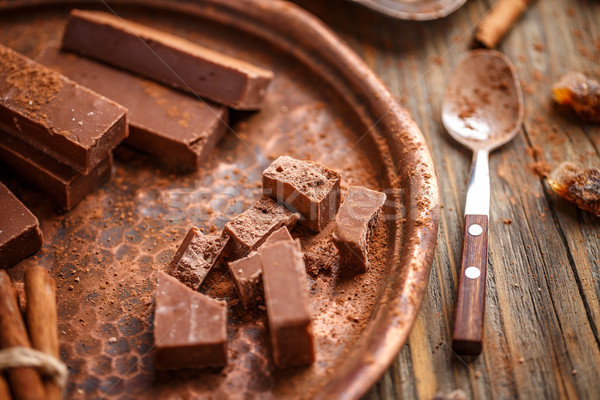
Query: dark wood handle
(470, 303)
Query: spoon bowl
(482, 110)
(483, 105)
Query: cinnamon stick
(500, 19)
(4, 388)
(24, 382)
(40, 291)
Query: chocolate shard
(354, 225)
(64, 185)
(195, 257)
(251, 228)
(190, 328)
(247, 273)
(20, 234)
(286, 297)
(57, 116)
(304, 186)
(173, 126)
(167, 58)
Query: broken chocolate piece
(247, 274)
(355, 222)
(57, 116)
(167, 58)
(304, 186)
(577, 185)
(251, 228)
(190, 328)
(196, 256)
(175, 127)
(579, 92)
(64, 185)
(284, 280)
(20, 233)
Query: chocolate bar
(167, 58)
(306, 187)
(20, 233)
(46, 110)
(190, 328)
(164, 122)
(64, 185)
(284, 281)
(354, 225)
(251, 228)
(247, 274)
(196, 256)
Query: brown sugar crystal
(577, 185)
(286, 297)
(354, 224)
(67, 121)
(247, 274)
(20, 233)
(579, 92)
(196, 256)
(251, 228)
(304, 186)
(190, 328)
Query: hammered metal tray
(325, 105)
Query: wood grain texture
(469, 312)
(542, 313)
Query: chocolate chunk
(20, 233)
(196, 256)
(57, 116)
(167, 58)
(64, 185)
(304, 186)
(284, 280)
(354, 224)
(251, 228)
(190, 328)
(173, 126)
(247, 274)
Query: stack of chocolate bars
(62, 116)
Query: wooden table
(542, 313)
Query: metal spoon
(482, 109)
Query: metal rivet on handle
(472, 272)
(475, 230)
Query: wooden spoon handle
(470, 304)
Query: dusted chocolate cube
(20, 233)
(44, 109)
(196, 256)
(247, 274)
(177, 128)
(167, 58)
(190, 328)
(251, 228)
(306, 187)
(286, 297)
(354, 225)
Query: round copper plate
(324, 105)
(418, 10)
